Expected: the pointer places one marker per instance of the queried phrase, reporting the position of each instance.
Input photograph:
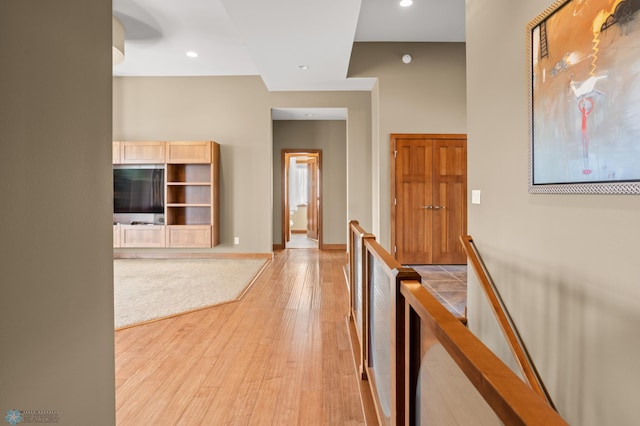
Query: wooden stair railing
(505, 321)
(486, 379)
(403, 327)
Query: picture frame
(584, 98)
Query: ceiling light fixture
(117, 41)
(192, 54)
(303, 67)
(406, 58)
(406, 3)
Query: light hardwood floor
(279, 356)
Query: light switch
(475, 196)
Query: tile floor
(448, 284)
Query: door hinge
(395, 201)
(395, 249)
(395, 154)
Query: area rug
(151, 289)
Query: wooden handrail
(354, 225)
(505, 321)
(508, 396)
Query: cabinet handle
(427, 207)
(438, 207)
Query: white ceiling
(272, 38)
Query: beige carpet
(150, 289)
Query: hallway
(281, 355)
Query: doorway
(301, 198)
(428, 198)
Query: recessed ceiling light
(303, 67)
(192, 54)
(406, 3)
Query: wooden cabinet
(115, 151)
(116, 236)
(141, 153)
(188, 152)
(192, 189)
(142, 236)
(191, 193)
(188, 236)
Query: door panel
(413, 176)
(450, 194)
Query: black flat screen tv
(138, 190)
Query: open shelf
(188, 215)
(188, 194)
(188, 174)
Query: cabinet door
(142, 236)
(189, 236)
(115, 150)
(188, 152)
(116, 236)
(142, 152)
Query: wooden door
(428, 198)
(313, 198)
(450, 194)
(414, 193)
(286, 218)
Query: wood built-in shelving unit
(191, 197)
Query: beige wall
(426, 96)
(233, 111)
(56, 285)
(236, 112)
(330, 137)
(566, 264)
(359, 136)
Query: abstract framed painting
(584, 98)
